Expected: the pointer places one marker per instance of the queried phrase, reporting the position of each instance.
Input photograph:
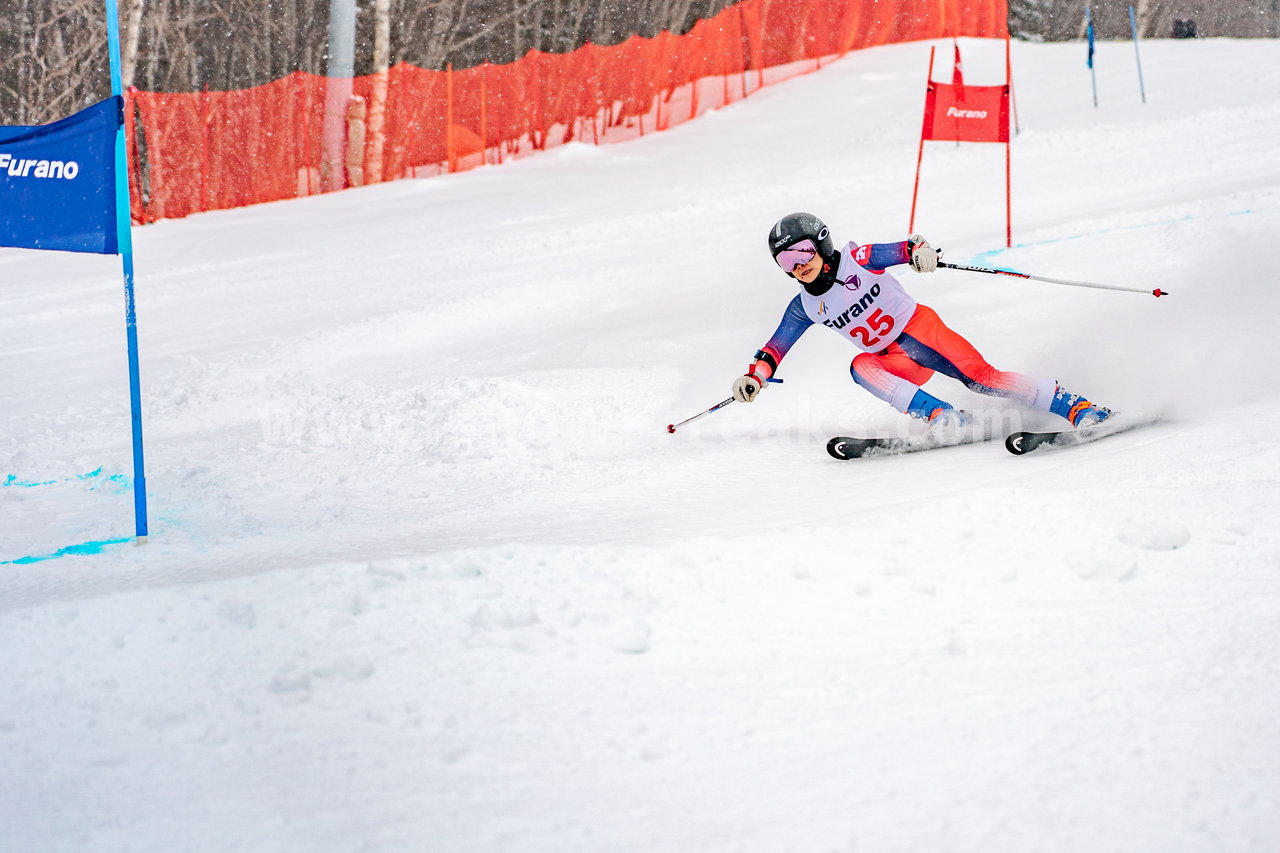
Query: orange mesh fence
(211, 150)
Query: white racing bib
(869, 308)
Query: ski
(1020, 443)
(845, 447)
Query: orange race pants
(927, 346)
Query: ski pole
(1157, 292)
(717, 407)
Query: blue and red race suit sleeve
(878, 257)
(794, 324)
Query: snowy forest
(53, 57)
(1060, 20)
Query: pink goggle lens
(796, 255)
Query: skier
(903, 343)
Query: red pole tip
(1158, 293)
(671, 427)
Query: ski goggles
(796, 255)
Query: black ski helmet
(795, 227)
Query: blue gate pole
(124, 248)
(1093, 72)
(1133, 25)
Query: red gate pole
(1008, 195)
(911, 227)
(1008, 148)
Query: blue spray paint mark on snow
(119, 481)
(96, 481)
(82, 548)
(987, 257)
(12, 480)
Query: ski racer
(903, 343)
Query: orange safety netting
(211, 150)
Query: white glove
(745, 388)
(924, 258)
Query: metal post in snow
(1093, 73)
(124, 248)
(339, 72)
(1133, 25)
(1013, 97)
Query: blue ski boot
(938, 413)
(1076, 409)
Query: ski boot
(939, 414)
(1076, 409)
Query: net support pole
(1133, 25)
(124, 248)
(450, 155)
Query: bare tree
(53, 60)
(132, 32)
(1056, 20)
(378, 102)
(53, 54)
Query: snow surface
(427, 572)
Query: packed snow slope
(427, 573)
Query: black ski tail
(856, 447)
(845, 447)
(1021, 443)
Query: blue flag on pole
(58, 182)
(65, 186)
